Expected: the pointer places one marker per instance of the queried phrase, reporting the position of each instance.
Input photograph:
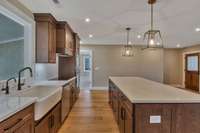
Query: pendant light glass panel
(127, 51)
(128, 48)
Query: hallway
(91, 114)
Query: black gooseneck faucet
(7, 85)
(19, 76)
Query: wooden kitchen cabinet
(69, 97)
(73, 94)
(65, 106)
(45, 38)
(65, 38)
(21, 122)
(125, 114)
(51, 122)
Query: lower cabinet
(122, 109)
(21, 122)
(65, 104)
(69, 97)
(153, 117)
(51, 122)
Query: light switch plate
(156, 119)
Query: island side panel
(186, 118)
(174, 118)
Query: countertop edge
(154, 101)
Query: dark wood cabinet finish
(45, 38)
(65, 108)
(70, 95)
(73, 94)
(155, 117)
(51, 122)
(186, 118)
(122, 109)
(65, 38)
(66, 68)
(21, 122)
(143, 112)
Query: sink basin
(47, 98)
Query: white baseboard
(99, 88)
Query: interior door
(192, 71)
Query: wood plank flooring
(90, 114)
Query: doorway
(192, 71)
(85, 69)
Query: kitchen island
(144, 106)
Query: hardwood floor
(91, 114)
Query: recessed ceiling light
(90, 36)
(178, 45)
(197, 29)
(87, 20)
(139, 36)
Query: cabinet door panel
(121, 118)
(56, 118)
(128, 122)
(65, 102)
(44, 126)
(27, 127)
(52, 43)
(42, 33)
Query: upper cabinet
(45, 38)
(77, 44)
(65, 39)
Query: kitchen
(135, 87)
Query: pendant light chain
(153, 36)
(151, 16)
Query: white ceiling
(177, 19)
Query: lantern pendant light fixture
(153, 37)
(128, 48)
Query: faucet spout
(7, 85)
(19, 76)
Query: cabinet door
(128, 122)
(28, 126)
(42, 41)
(45, 125)
(56, 118)
(52, 43)
(115, 108)
(121, 118)
(65, 109)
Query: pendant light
(128, 48)
(153, 37)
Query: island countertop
(140, 90)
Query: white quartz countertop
(11, 105)
(140, 90)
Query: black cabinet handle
(52, 121)
(49, 122)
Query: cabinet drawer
(18, 120)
